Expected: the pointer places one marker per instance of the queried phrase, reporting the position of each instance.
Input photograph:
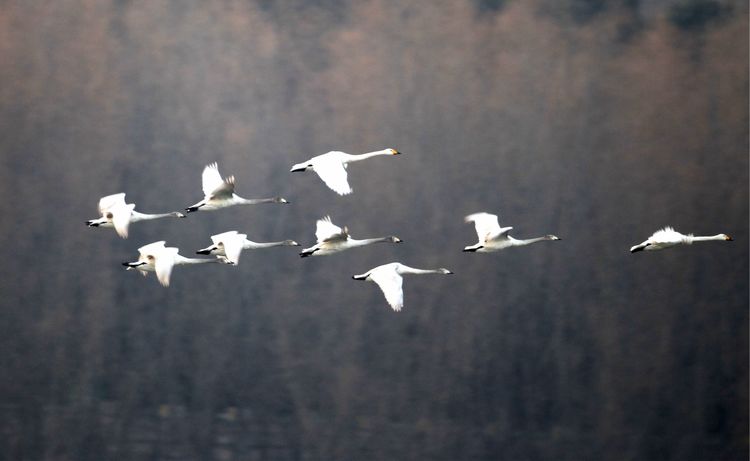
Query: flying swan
(492, 237)
(116, 213)
(388, 277)
(668, 237)
(155, 257)
(219, 193)
(331, 167)
(332, 239)
(229, 245)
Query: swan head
(445, 271)
(393, 151)
(553, 237)
(301, 167)
(280, 200)
(394, 239)
(177, 214)
(291, 243)
(727, 237)
(207, 250)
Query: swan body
(331, 167)
(492, 237)
(156, 257)
(219, 193)
(389, 279)
(333, 239)
(118, 214)
(229, 245)
(668, 237)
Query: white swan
(332, 239)
(219, 193)
(331, 167)
(229, 245)
(492, 237)
(388, 277)
(155, 257)
(118, 214)
(668, 237)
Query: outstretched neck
(256, 201)
(522, 242)
(250, 245)
(358, 157)
(363, 242)
(707, 238)
(413, 270)
(136, 216)
(183, 260)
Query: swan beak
(297, 168)
(92, 224)
(395, 152)
(205, 251)
(130, 265)
(191, 209)
(728, 238)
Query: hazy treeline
(598, 121)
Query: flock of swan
(330, 239)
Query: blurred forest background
(599, 121)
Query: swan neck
(705, 238)
(522, 242)
(136, 216)
(250, 245)
(355, 242)
(183, 260)
(358, 157)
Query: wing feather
(333, 173)
(213, 185)
(164, 264)
(326, 231)
(391, 284)
(487, 226)
(121, 218)
(110, 201)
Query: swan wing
(327, 231)
(121, 219)
(213, 185)
(152, 248)
(331, 170)
(390, 282)
(164, 264)
(233, 247)
(487, 226)
(219, 238)
(111, 201)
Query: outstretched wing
(326, 231)
(213, 185)
(219, 238)
(164, 264)
(487, 226)
(333, 173)
(111, 201)
(390, 283)
(233, 247)
(121, 218)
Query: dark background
(598, 121)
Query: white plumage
(118, 214)
(389, 279)
(331, 167)
(333, 239)
(492, 237)
(668, 237)
(219, 193)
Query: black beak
(135, 264)
(205, 251)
